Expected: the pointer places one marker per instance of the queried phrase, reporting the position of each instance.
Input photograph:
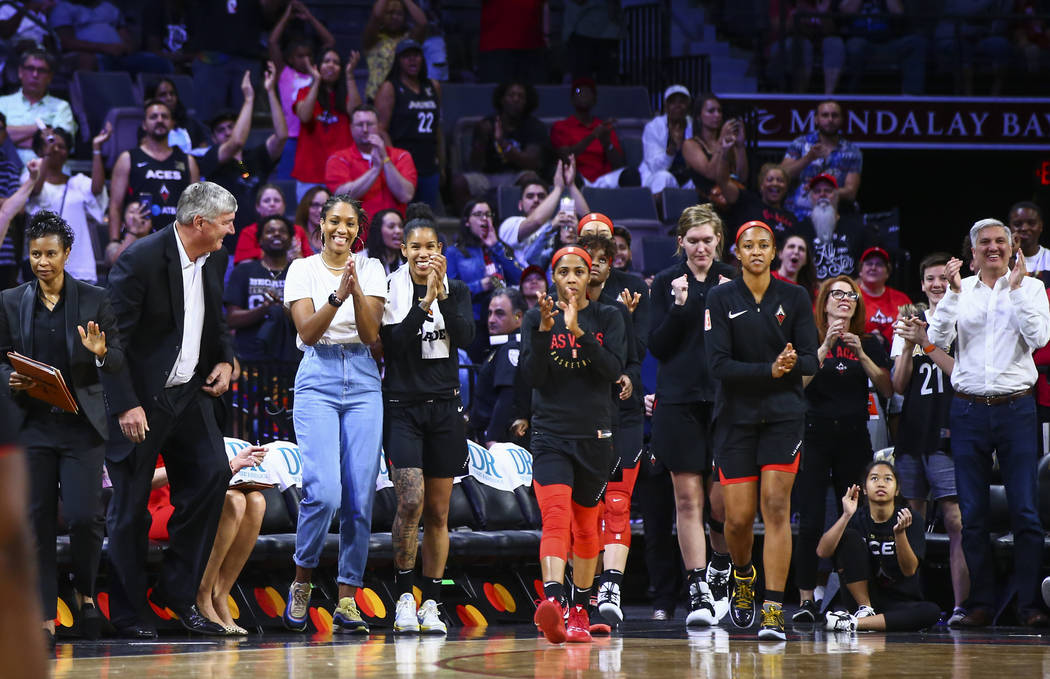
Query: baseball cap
(532, 269)
(823, 177)
(676, 89)
(871, 252)
(406, 45)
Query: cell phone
(146, 202)
(567, 204)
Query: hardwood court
(644, 650)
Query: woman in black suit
(67, 324)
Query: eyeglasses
(844, 294)
(483, 215)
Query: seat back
(673, 203)
(93, 94)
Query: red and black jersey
(571, 376)
(743, 340)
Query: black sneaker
(772, 628)
(742, 607)
(701, 605)
(808, 612)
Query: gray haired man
(166, 291)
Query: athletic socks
(554, 590)
(432, 589)
(612, 575)
(743, 570)
(581, 597)
(774, 597)
(720, 561)
(405, 581)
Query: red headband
(571, 250)
(593, 217)
(750, 225)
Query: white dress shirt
(192, 318)
(998, 329)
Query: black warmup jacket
(570, 377)
(743, 341)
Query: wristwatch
(335, 301)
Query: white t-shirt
(508, 233)
(309, 278)
(75, 203)
(1040, 261)
(898, 342)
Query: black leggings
(831, 450)
(902, 615)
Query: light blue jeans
(338, 418)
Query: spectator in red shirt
(512, 39)
(594, 143)
(381, 177)
(880, 301)
(322, 111)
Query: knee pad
(617, 515)
(585, 542)
(554, 501)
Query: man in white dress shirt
(1000, 316)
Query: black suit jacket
(145, 289)
(82, 303)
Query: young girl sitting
(877, 548)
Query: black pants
(183, 428)
(902, 613)
(65, 456)
(834, 451)
(654, 494)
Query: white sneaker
(701, 605)
(958, 613)
(718, 581)
(864, 612)
(609, 603)
(840, 621)
(405, 614)
(430, 619)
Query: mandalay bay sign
(904, 122)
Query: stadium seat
(126, 122)
(658, 253)
(92, 95)
(674, 201)
(464, 100)
(508, 198)
(632, 149)
(629, 207)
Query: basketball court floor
(640, 649)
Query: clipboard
(50, 385)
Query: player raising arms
(761, 340)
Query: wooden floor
(643, 650)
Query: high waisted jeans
(338, 420)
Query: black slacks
(183, 428)
(65, 454)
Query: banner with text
(1018, 124)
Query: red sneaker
(551, 621)
(578, 630)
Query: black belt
(994, 400)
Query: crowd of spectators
(383, 147)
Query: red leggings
(564, 520)
(615, 517)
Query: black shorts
(427, 435)
(582, 464)
(745, 450)
(681, 436)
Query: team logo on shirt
(707, 319)
(164, 193)
(512, 357)
(841, 367)
(879, 318)
(780, 315)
